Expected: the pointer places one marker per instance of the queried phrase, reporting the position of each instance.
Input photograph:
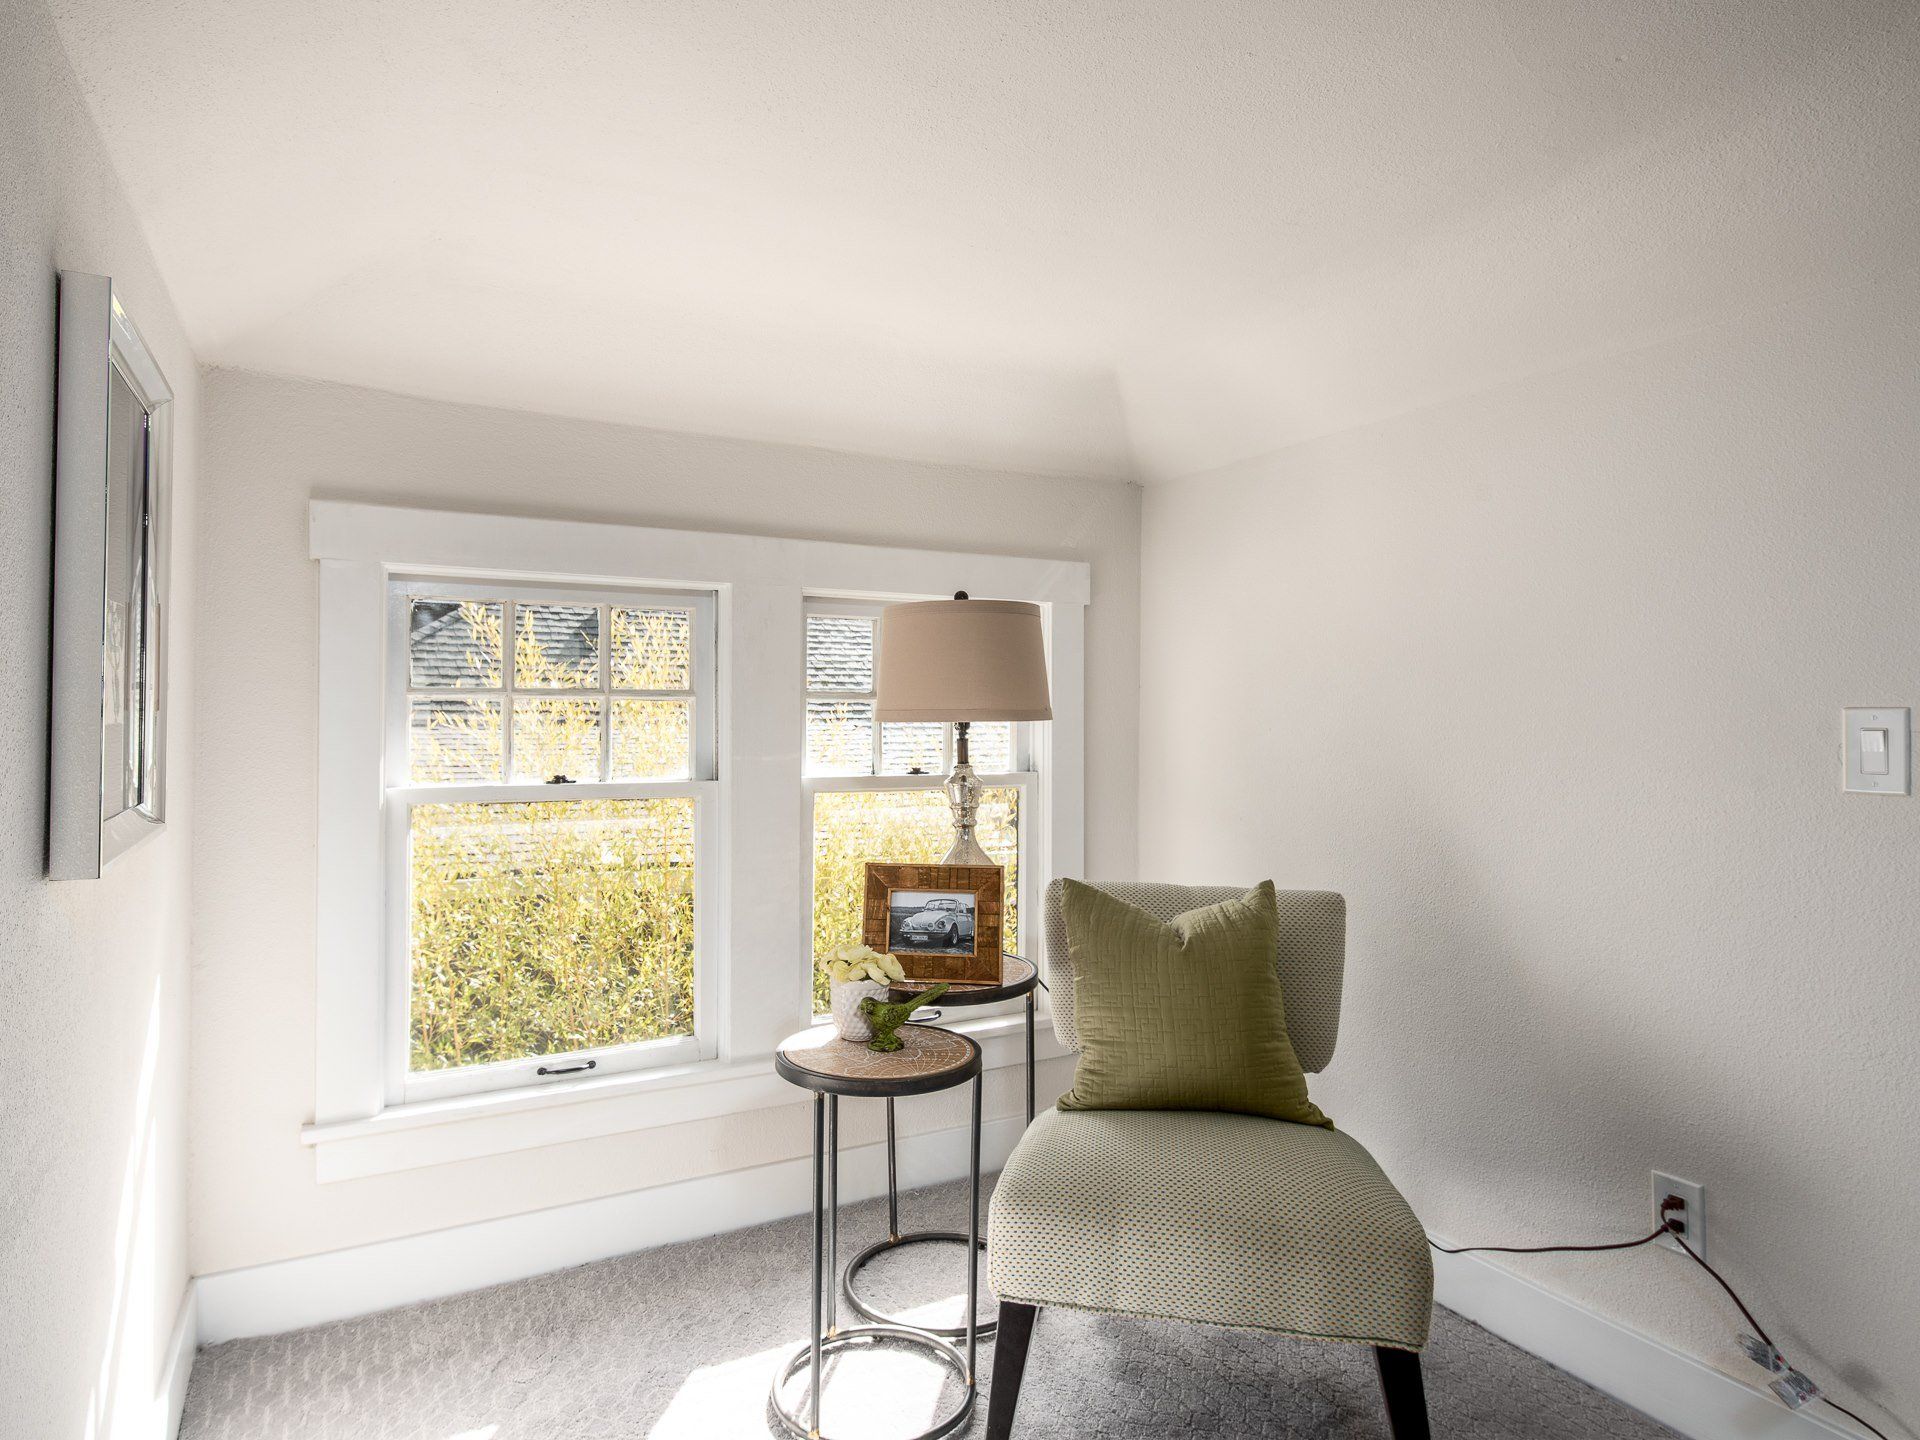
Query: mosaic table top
(930, 1059)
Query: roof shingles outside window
(444, 645)
(839, 653)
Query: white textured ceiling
(1117, 237)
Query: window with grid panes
(552, 760)
(874, 790)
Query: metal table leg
(1030, 1014)
(973, 1238)
(819, 1159)
(894, 1239)
(893, 1179)
(833, 1214)
(827, 1336)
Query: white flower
(855, 961)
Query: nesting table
(1018, 978)
(930, 1059)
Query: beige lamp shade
(962, 660)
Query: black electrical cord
(1863, 1424)
(1719, 1280)
(1668, 1227)
(1545, 1249)
(1823, 1397)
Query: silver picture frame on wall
(107, 736)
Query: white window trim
(440, 1132)
(761, 585)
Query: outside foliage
(544, 927)
(541, 928)
(851, 827)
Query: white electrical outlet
(1693, 1218)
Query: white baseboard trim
(1654, 1378)
(291, 1294)
(177, 1368)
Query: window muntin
(553, 812)
(874, 792)
(564, 708)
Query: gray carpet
(681, 1343)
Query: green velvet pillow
(1181, 1015)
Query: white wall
(273, 444)
(1548, 681)
(93, 974)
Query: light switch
(1873, 752)
(1878, 751)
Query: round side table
(930, 1059)
(1018, 978)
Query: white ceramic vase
(845, 996)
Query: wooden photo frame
(941, 922)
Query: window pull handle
(560, 780)
(566, 1069)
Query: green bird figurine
(887, 1019)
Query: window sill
(467, 1127)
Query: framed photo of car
(941, 922)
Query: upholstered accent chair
(1209, 1218)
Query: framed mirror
(111, 453)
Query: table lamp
(957, 661)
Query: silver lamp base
(963, 794)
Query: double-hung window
(594, 797)
(874, 790)
(551, 812)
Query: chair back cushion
(1310, 959)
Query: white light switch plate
(1879, 751)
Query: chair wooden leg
(1405, 1394)
(1009, 1365)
